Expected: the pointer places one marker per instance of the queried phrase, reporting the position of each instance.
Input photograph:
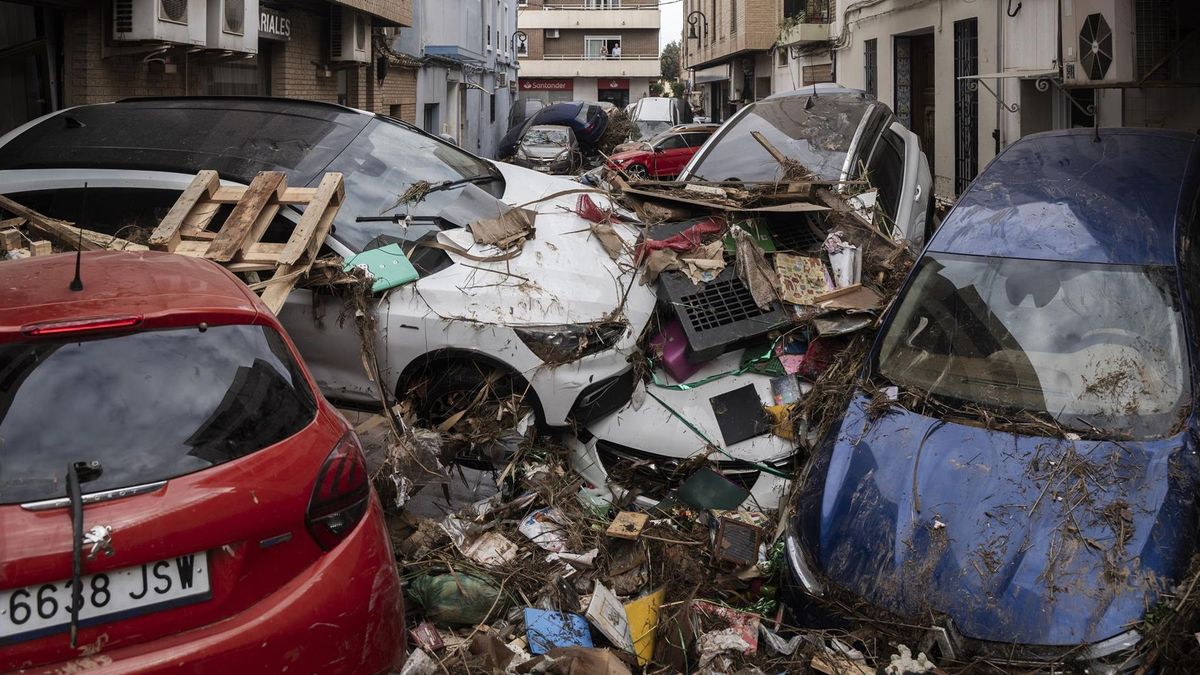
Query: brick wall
(391, 11)
(757, 28)
(94, 74)
(293, 73)
(90, 79)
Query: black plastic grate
(720, 303)
(797, 236)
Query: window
(966, 104)
(733, 17)
(793, 9)
(781, 57)
(871, 67)
(492, 107)
(603, 4)
(885, 170)
(695, 140)
(601, 46)
(489, 36)
(672, 142)
(244, 392)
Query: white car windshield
(383, 162)
(818, 138)
(1094, 347)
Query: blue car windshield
(1093, 347)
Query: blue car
(1017, 475)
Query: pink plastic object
(672, 344)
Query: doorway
(915, 87)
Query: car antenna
(77, 282)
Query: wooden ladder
(269, 269)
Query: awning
(711, 74)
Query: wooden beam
(166, 236)
(317, 216)
(249, 218)
(196, 224)
(61, 231)
(259, 254)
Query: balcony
(581, 16)
(805, 21)
(582, 65)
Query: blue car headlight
(798, 561)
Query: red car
(162, 444)
(664, 155)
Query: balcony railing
(600, 5)
(596, 57)
(807, 11)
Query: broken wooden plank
(260, 253)
(195, 226)
(10, 238)
(167, 235)
(61, 231)
(276, 294)
(249, 218)
(323, 207)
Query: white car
(557, 321)
(834, 132)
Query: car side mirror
(658, 150)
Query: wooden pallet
(270, 269)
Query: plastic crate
(719, 315)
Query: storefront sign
(547, 85)
(273, 25)
(613, 83)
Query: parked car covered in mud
(587, 120)
(549, 149)
(553, 320)
(1017, 471)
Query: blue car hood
(1018, 539)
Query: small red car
(159, 427)
(664, 155)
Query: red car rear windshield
(148, 406)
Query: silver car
(549, 149)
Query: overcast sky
(672, 23)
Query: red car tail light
(341, 496)
(93, 325)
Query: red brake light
(341, 495)
(82, 326)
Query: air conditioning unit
(501, 80)
(1097, 41)
(180, 21)
(233, 25)
(552, 33)
(349, 35)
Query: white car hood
(562, 276)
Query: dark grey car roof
(236, 136)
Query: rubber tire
(454, 384)
(637, 172)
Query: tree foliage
(669, 60)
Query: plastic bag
(456, 599)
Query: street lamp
(694, 18)
(518, 37)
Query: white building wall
(887, 19)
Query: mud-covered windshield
(1094, 347)
(818, 138)
(380, 166)
(537, 136)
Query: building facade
(590, 50)
(972, 77)
(72, 52)
(466, 59)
